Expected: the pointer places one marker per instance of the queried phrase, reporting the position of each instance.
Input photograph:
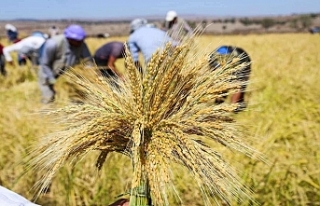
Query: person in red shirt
(2, 62)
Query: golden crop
(282, 122)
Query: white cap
(171, 15)
(10, 27)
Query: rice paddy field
(282, 121)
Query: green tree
(245, 21)
(266, 23)
(294, 23)
(306, 21)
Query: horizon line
(155, 17)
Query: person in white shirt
(10, 198)
(177, 27)
(28, 47)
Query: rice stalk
(165, 116)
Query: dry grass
(283, 117)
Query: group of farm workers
(54, 54)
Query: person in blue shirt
(145, 39)
(35, 57)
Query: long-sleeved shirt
(25, 46)
(68, 56)
(147, 40)
(179, 30)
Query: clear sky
(104, 9)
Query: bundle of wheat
(164, 116)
